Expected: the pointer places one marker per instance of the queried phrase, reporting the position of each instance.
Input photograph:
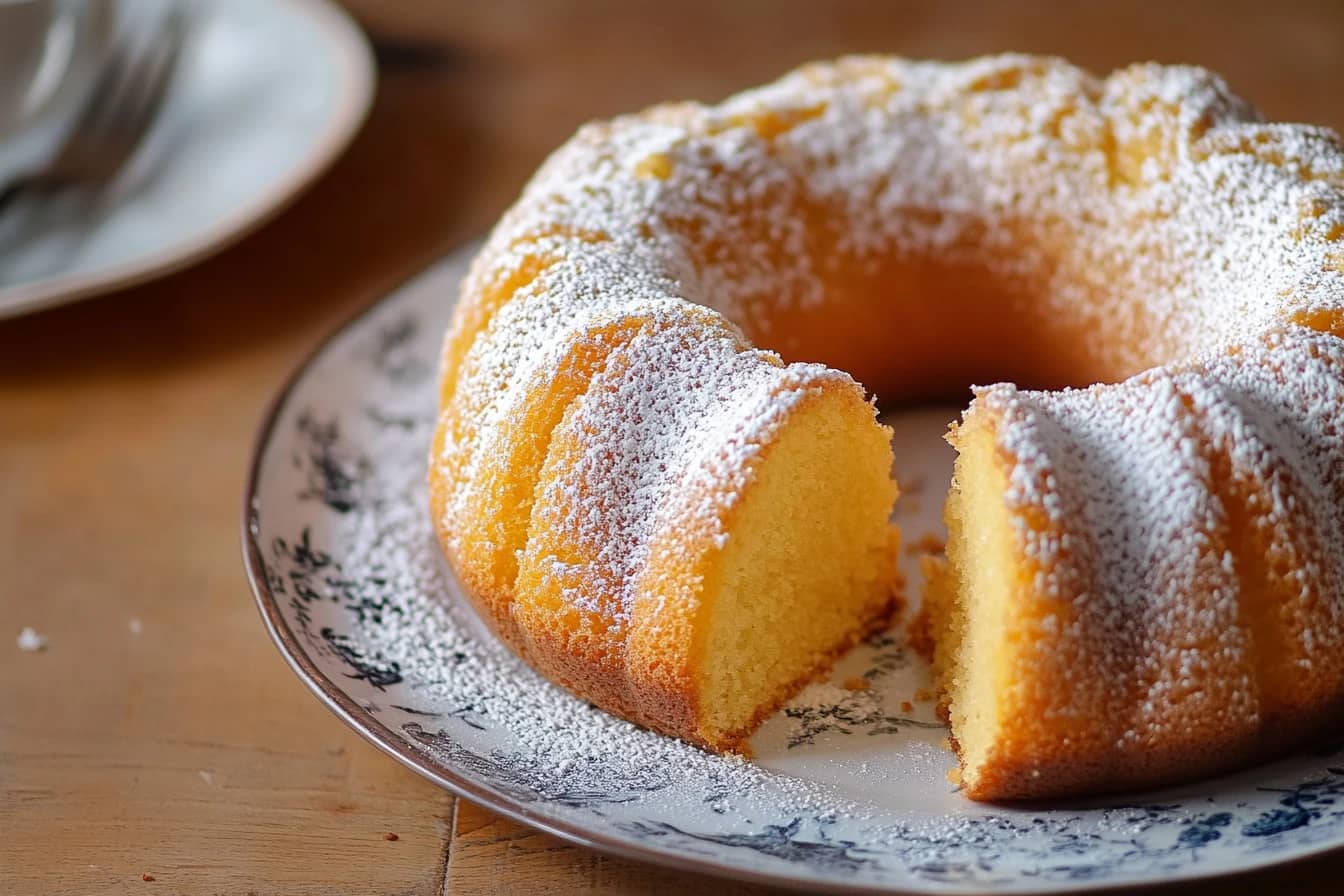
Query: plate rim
(364, 723)
(357, 76)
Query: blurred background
(148, 728)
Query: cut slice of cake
(720, 545)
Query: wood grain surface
(160, 734)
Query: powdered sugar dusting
(580, 293)
(1153, 207)
(1155, 505)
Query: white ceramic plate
(849, 789)
(269, 93)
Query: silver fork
(114, 118)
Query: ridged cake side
(530, 361)
(1173, 604)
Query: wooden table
(160, 733)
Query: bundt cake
(1144, 580)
